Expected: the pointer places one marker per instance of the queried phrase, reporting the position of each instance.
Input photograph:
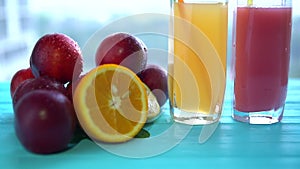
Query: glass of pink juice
(262, 56)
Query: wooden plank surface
(232, 145)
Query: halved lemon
(153, 107)
(111, 103)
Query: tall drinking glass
(262, 56)
(197, 60)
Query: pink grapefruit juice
(263, 38)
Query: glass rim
(264, 3)
(201, 1)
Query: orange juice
(197, 63)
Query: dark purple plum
(44, 121)
(19, 77)
(56, 56)
(122, 49)
(155, 77)
(38, 83)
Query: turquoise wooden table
(232, 145)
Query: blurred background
(23, 22)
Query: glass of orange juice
(197, 60)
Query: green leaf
(79, 135)
(143, 134)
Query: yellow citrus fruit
(153, 107)
(111, 103)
